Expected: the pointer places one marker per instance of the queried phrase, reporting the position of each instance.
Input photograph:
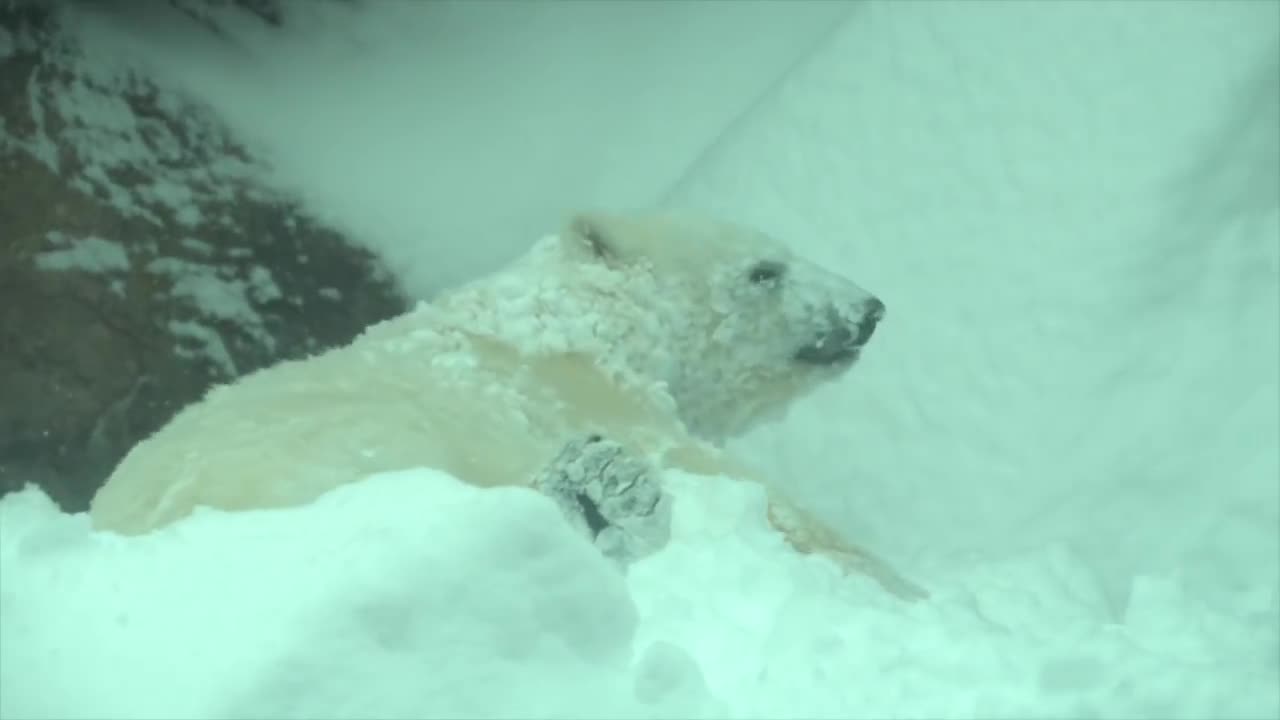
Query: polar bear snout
(872, 314)
(843, 338)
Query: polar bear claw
(611, 495)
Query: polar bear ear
(589, 233)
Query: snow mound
(412, 595)
(404, 596)
(1076, 240)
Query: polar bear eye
(596, 241)
(766, 273)
(592, 235)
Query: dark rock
(268, 11)
(141, 261)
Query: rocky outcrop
(141, 261)
(206, 12)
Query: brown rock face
(140, 262)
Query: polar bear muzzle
(843, 339)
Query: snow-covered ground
(1067, 428)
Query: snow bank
(1074, 228)
(410, 595)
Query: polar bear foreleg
(807, 534)
(611, 495)
(615, 497)
(802, 531)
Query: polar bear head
(734, 324)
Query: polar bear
(665, 333)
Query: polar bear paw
(611, 495)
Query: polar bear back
(284, 435)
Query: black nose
(870, 318)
